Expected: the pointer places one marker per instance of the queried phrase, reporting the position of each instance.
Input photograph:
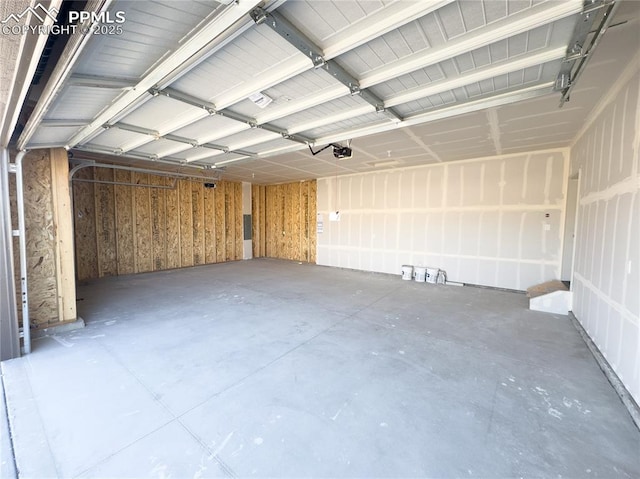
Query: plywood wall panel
(312, 215)
(296, 219)
(229, 223)
(40, 240)
(172, 206)
(158, 208)
(209, 226)
(142, 213)
(85, 226)
(197, 213)
(125, 232)
(186, 223)
(303, 232)
(284, 222)
(105, 223)
(220, 225)
(143, 228)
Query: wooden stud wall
(122, 229)
(48, 238)
(284, 221)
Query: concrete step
(550, 297)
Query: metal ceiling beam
(62, 123)
(291, 34)
(578, 51)
(212, 110)
(377, 24)
(334, 118)
(276, 111)
(95, 81)
(155, 135)
(526, 60)
(528, 19)
(136, 156)
(488, 101)
(172, 66)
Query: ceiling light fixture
(260, 99)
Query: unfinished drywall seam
(383, 231)
(563, 215)
(607, 256)
(620, 82)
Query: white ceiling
(457, 79)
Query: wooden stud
(63, 228)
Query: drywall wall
(491, 221)
(284, 221)
(49, 243)
(607, 259)
(158, 223)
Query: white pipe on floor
(26, 331)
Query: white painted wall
(482, 220)
(607, 261)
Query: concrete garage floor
(272, 368)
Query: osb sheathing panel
(258, 220)
(230, 225)
(220, 228)
(126, 230)
(158, 222)
(186, 223)
(142, 210)
(209, 226)
(197, 208)
(105, 222)
(151, 229)
(312, 215)
(284, 221)
(40, 240)
(85, 225)
(172, 199)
